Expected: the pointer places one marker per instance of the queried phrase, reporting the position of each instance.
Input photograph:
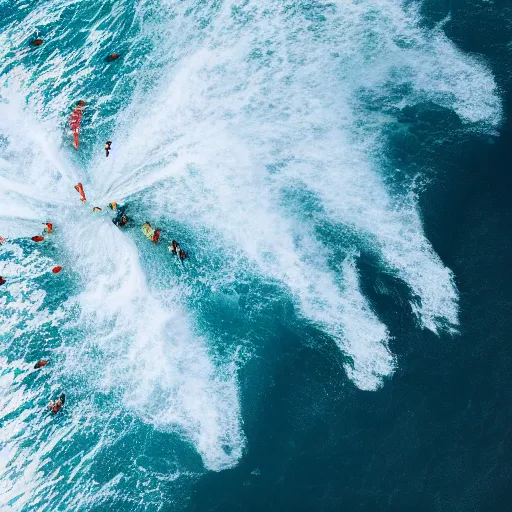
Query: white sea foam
(294, 103)
(234, 122)
(146, 351)
(35, 180)
(149, 352)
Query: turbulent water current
(257, 135)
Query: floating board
(75, 121)
(152, 234)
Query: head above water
(112, 57)
(80, 103)
(36, 42)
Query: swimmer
(48, 227)
(108, 145)
(174, 247)
(56, 406)
(36, 42)
(40, 364)
(182, 254)
(2, 281)
(112, 57)
(121, 220)
(96, 209)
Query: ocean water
(339, 337)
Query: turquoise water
(277, 141)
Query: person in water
(40, 364)
(2, 281)
(48, 227)
(36, 42)
(120, 220)
(108, 145)
(56, 406)
(182, 254)
(174, 247)
(96, 209)
(112, 57)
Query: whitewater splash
(255, 132)
(238, 150)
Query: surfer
(48, 227)
(40, 364)
(108, 145)
(76, 120)
(150, 232)
(56, 406)
(2, 281)
(80, 189)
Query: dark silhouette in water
(56, 406)
(112, 57)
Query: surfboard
(75, 121)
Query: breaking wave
(254, 132)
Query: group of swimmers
(149, 231)
(56, 406)
(48, 229)
(120, 220)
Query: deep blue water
(159, 421)
(438, 436)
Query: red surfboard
(80, 189)
(75, 121)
